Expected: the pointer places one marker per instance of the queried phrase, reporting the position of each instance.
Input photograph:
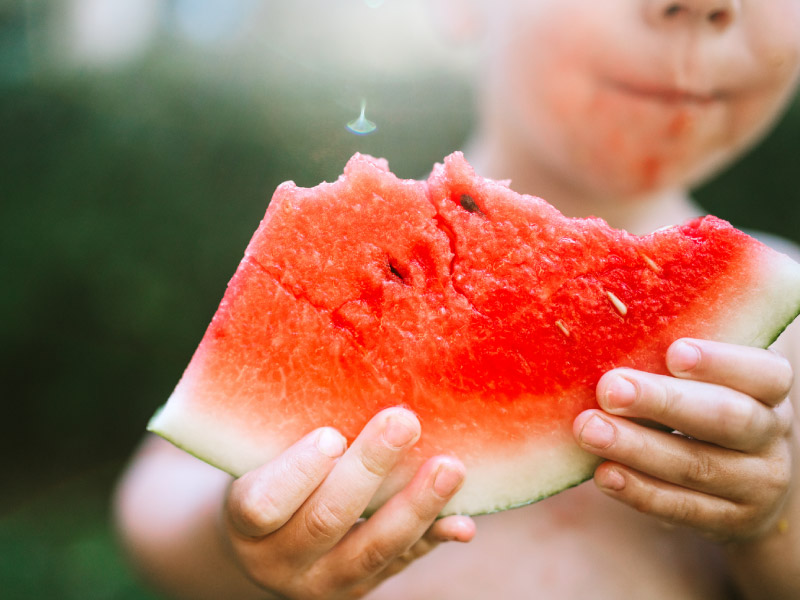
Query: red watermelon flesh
(488, 313)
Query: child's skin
(612, 108)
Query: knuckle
(374, 463)
(683, 509)
(741, 520)
(300, 469)
(262, 513)
(323, 523)
(399, 564)
(255, 512)
(701, 469)
(673, 508)
(784, 416)
(779, 474)
(422, 511)
(739, 416)
(785, 376)
(666, 399)
(373, 559)
(645, 500)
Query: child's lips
(665, 94)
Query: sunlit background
(141, 140)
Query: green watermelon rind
(778, 331)
(570, 485)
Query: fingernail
(619, 393)
(446, 481)
(331, 443)
(598, 433)
(399, 431)
(683, 357)
(612, 480)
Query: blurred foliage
(762, 190)
(127, 203)
(126, 200)
(59, 545)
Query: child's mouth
(666, 95)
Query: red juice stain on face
(681, 124)
(650, 170)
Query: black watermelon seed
(468, 203)
(395, 272)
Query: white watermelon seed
(618, 305)
(562, 327)
(651, 264)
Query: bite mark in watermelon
(488, 313)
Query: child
(611, 108)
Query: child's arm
(292, 526)
(734, 474)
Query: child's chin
(650, 174)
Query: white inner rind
(218, 441)
(497, 478)
(769, 303)
(513, 476)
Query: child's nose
(718, 13)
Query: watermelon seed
(468, 203)
(651, 264)
(618, 305)
(395, 272)
(562, 327)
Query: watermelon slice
(488, 313)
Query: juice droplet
(361, 125)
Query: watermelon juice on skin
(488, 314)
(613, 109)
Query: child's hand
(728, 474)
(294, 523)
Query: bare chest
(578, 544)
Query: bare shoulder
(157, 460)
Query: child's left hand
(728, 475)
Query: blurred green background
(139, 150)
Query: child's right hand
(293, 524)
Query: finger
(719, 517)
(669, 457)
(455, 528)
(762, 374)
(701, 410)
(340, 500)
(264, 499)
(395, 534)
